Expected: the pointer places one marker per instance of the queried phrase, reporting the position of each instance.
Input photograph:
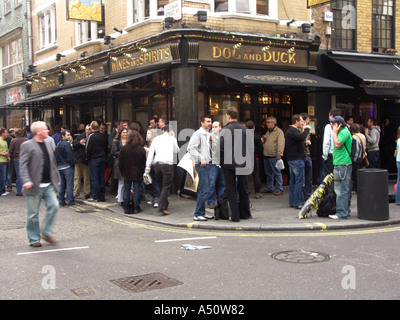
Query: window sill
(144, 22)
(229, 15)
(88, 44)
(47, 48)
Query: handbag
(222, 210)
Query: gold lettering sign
(41, 84)
(154, 56)
(281, 79)
(253, 55)
(311, 3)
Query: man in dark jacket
(294, 147)
(66, 166)
(236, 146)
(81, 167)
(96, 151)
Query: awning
(88, 88)
(379, 76)
(278, 78)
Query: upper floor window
(382, 24)
(47, 27)
(7, 5)
(12, 62)
(254, 7)
(344, 24)
(140, 10)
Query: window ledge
(47, 48)
(88, 43)
(144, 22)
(229, 15)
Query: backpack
(327, 206)
(357, 151)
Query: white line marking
(185, 239)
(55, 250)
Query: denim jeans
(9, 176)
(342, 186)
(307, 177)
(296, 182)
(272, 174)
(3, 177)
(66, 186)
(373, 159)
(202, 189)
(97, 169)
(49, 196)
(398, 183)
(18, 182)
(216, 184)
(126, 191)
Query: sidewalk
(270, 213)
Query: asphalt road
(96, 247)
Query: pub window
(253, 7)
(382, 24)
(47, 27)
(12, 64)
(140, 10)
(344, 24)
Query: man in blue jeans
(66, 167)
(96, 152)
(294, 147)
(4, 160)
(199, 148)
(40, 180)
(342, 165)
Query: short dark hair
(295, 118)
(64, 132)
(250, 124)
(233, 113)
(2, 130)
(165, 128)
(374, 121)
(203, 118)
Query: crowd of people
(90, 157)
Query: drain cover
(146, 282)
(82, 292)
(300, 256)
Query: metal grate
(300, 256)
(146, 282)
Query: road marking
(258, 234)
(185, 239)
(47, 251)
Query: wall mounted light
(59, 56)
(107, 40)
(306, 27)
(291, 21)
(201, 15)
(168, 22)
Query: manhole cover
(300, 256)
(146, 282)
(12, 226)
(82, 292)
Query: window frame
(386, 41)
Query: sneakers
(5, 194)
(199, 218)
(333, 217)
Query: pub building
(183, 74)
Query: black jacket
(232, 154)
(79, 150)
(96, 146)
(294, 143)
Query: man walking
(274, 146)
(236, 153)
(40, 180)
(96, 151)
(342, 140)
(294, 146)
(373, 135)
(199, 148)
(161, 153)
(66, 167)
